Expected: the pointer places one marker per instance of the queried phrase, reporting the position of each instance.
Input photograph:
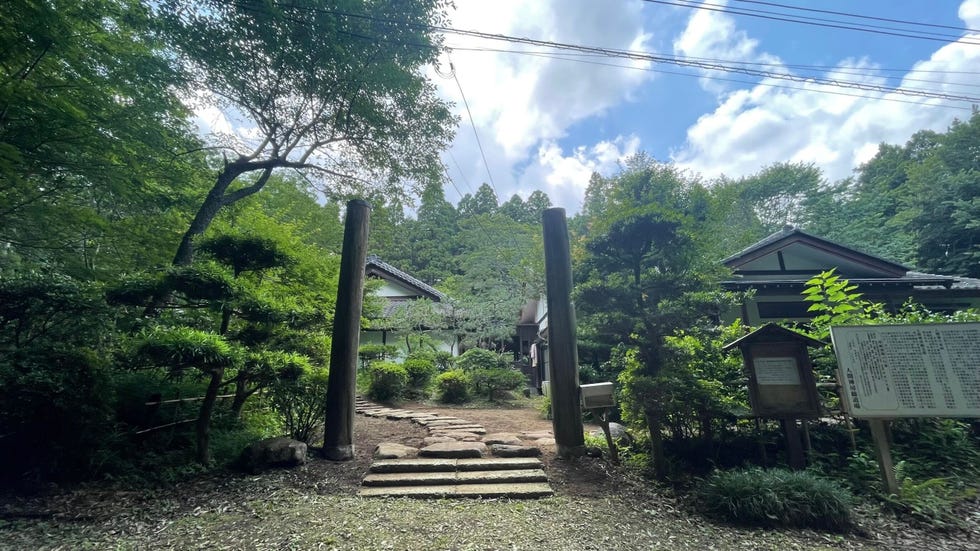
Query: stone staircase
(454, 461)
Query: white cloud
(564, 176)
(712, 36)
(765, 124)
(522, 104)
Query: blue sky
(548, 123)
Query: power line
(708, 77)
(643, 56)
(859, 16)
(476, 134)
(817, 22)
(711, 66)
(582, 58)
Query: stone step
(509, 476)
(523, 490)
(435, 465)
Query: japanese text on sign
(930, 370)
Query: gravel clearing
(314, 507)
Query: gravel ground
(315, 507)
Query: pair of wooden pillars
(338, 441)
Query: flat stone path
(455, 461)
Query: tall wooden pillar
(566, 406)
(338, 432)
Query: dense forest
(141, 260)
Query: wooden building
(778, 267)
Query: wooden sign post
(781, 381)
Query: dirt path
(314, 507)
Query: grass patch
(776, 497)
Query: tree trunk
(205, 215)
(241, 394)
(204, 417)
(657, 445)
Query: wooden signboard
(781, 381)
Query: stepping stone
(504, 450)
(475, 429)
(519, 490)
(495, 463)
(391, 450)
(458, 436)
(501, 438)
(413, 465)
(544, 442)
(378, 412)
(455, 477)
(400, 415)
(429, 440)
(537, 434)
(454, 450)
(428, 420)
(428, 464)
(447, 423)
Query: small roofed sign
(921, 370)
(781, 381)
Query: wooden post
(562, 347)
(603, 415)
(338, 431)
(879, 436)
(794, 447)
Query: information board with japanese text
(925, 370)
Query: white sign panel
(776, 371)
(928, 370)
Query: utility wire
(817, 22)
(713, 78)
(648, 57)
(585, 58)
(859, 16)
(476, 134)
(711, 66)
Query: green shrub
(58, 404)
(301, 403)
(453, 386)
(444, 361)
(775, 497)
(494, 381)
(369, 353)
(480, 358)
(543, 405)
(388, 381)
(420, 373)
(931, 502)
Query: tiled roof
(789, 231)
(956, 282)
(376, 262)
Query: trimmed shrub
(420, 373)
(300, 402)
(369, 353)
(775, 497)
(388, 381)
(453, 386)
(480, 358)
(494, 381)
